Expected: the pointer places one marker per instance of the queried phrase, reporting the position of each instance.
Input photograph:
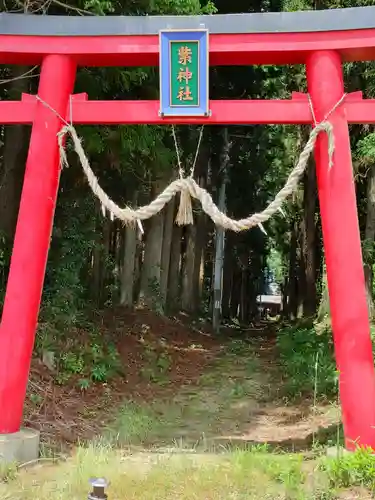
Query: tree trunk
(187, 295)
(236, 291)
(244, 291)
(293, 276)
(308, 247)
(323, 319)
(173, 293)
(198, 273)
(97, 259)
(166, 251)
(15, 152)
(104, 294)
(284, 293)
(220, 236)
(219, 263)
(369, 243)
(150, 279)
(128, 267)
(227, 277)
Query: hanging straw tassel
(185, 210)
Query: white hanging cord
(180, 169)
(197, 152)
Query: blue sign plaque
(184, 73)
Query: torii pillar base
(19, 447)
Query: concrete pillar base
(21, 447)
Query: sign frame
(166, 38)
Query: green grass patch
(352, 469)
(307, 361)
(251, 474)
(134, 424)
(255, 473)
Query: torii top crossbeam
(235, 39)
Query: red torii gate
(321, 40)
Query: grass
(255, 473)
(134, 425)
(251, 474)
(356, 469)
(307, 362)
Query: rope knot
(185, 209)
(327, 127)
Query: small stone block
(21, 447)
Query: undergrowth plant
(307, 361)
(81, 353)
(85, 356)
(352, 469)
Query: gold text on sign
(184, 55)
(184, 94)
(184, 75)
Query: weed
(238, 346)
(36, 399)
(85, 357)
(156, 365)
(354, 469)
(299, 350)
(134, 424)
(8, 472)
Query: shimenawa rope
(190, 189)
(188, 186)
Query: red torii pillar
(32, 240)
(342, 246)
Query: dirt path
(237, 401)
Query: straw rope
(188, 188)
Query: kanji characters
(184, 55)
(184, 94)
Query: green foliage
(156, 365)
(96, 360)
(366, 147)
(276, 265)
(134, 424)
(73, 241)
(352, 469)
(307, 361)
(8, 471)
